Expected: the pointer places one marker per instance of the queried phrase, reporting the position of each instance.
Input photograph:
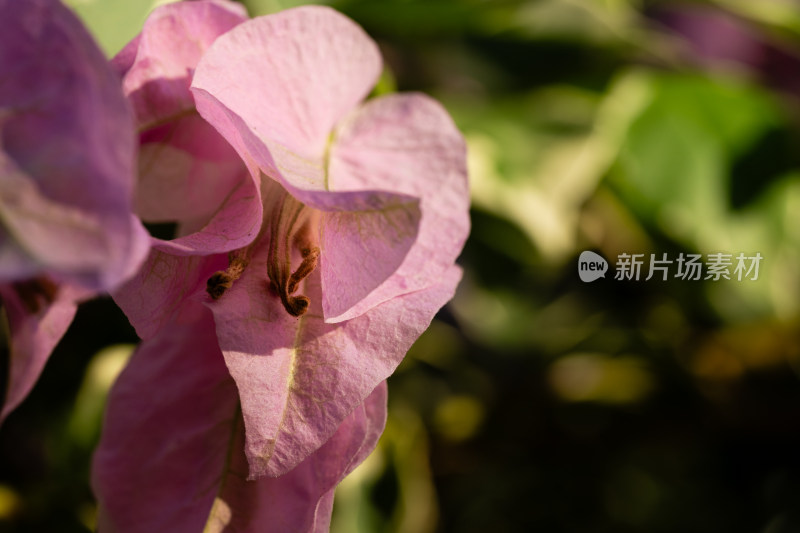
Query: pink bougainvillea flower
(66, 184)
(330, 246)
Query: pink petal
(159, 63)
(361, 249)
(159, 289)
(54, 232)
(185, 169)
(311, 65)
(67, 153)
(299, 378)
(302, 499)
(385, 223)
(404, 143)
(172, 460)
(221, 212)
(34, 334)
(288, 79)
(189, 174)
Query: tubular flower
(329, 249)
(66, 181)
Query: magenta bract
(67, 164)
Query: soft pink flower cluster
(316, 238)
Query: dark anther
(223, 280)
(218, 283)
(297, 305)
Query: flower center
(292, 231)
(292, 228)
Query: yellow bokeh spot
(9, 502)
(459, 417)
(600, 378)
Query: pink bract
(332, 244)
(172, 459)
(67, 161)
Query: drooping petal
(302, 499)
(189, 174)
(298, 378)
(403, 143)
(173, 460)
(35, 326)
(66, 153)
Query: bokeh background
(537, 402)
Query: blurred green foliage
(113, 22)
(536, 402)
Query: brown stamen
(223, 280)
(291, 222)
(36, 293)
(310, 258)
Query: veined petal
(66, 153)
(302, 499)
(173, 460)
(408, 144)
(35, 327)
(288, 78)
(298, 378)
(361, 249)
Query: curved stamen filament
(291, 227)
